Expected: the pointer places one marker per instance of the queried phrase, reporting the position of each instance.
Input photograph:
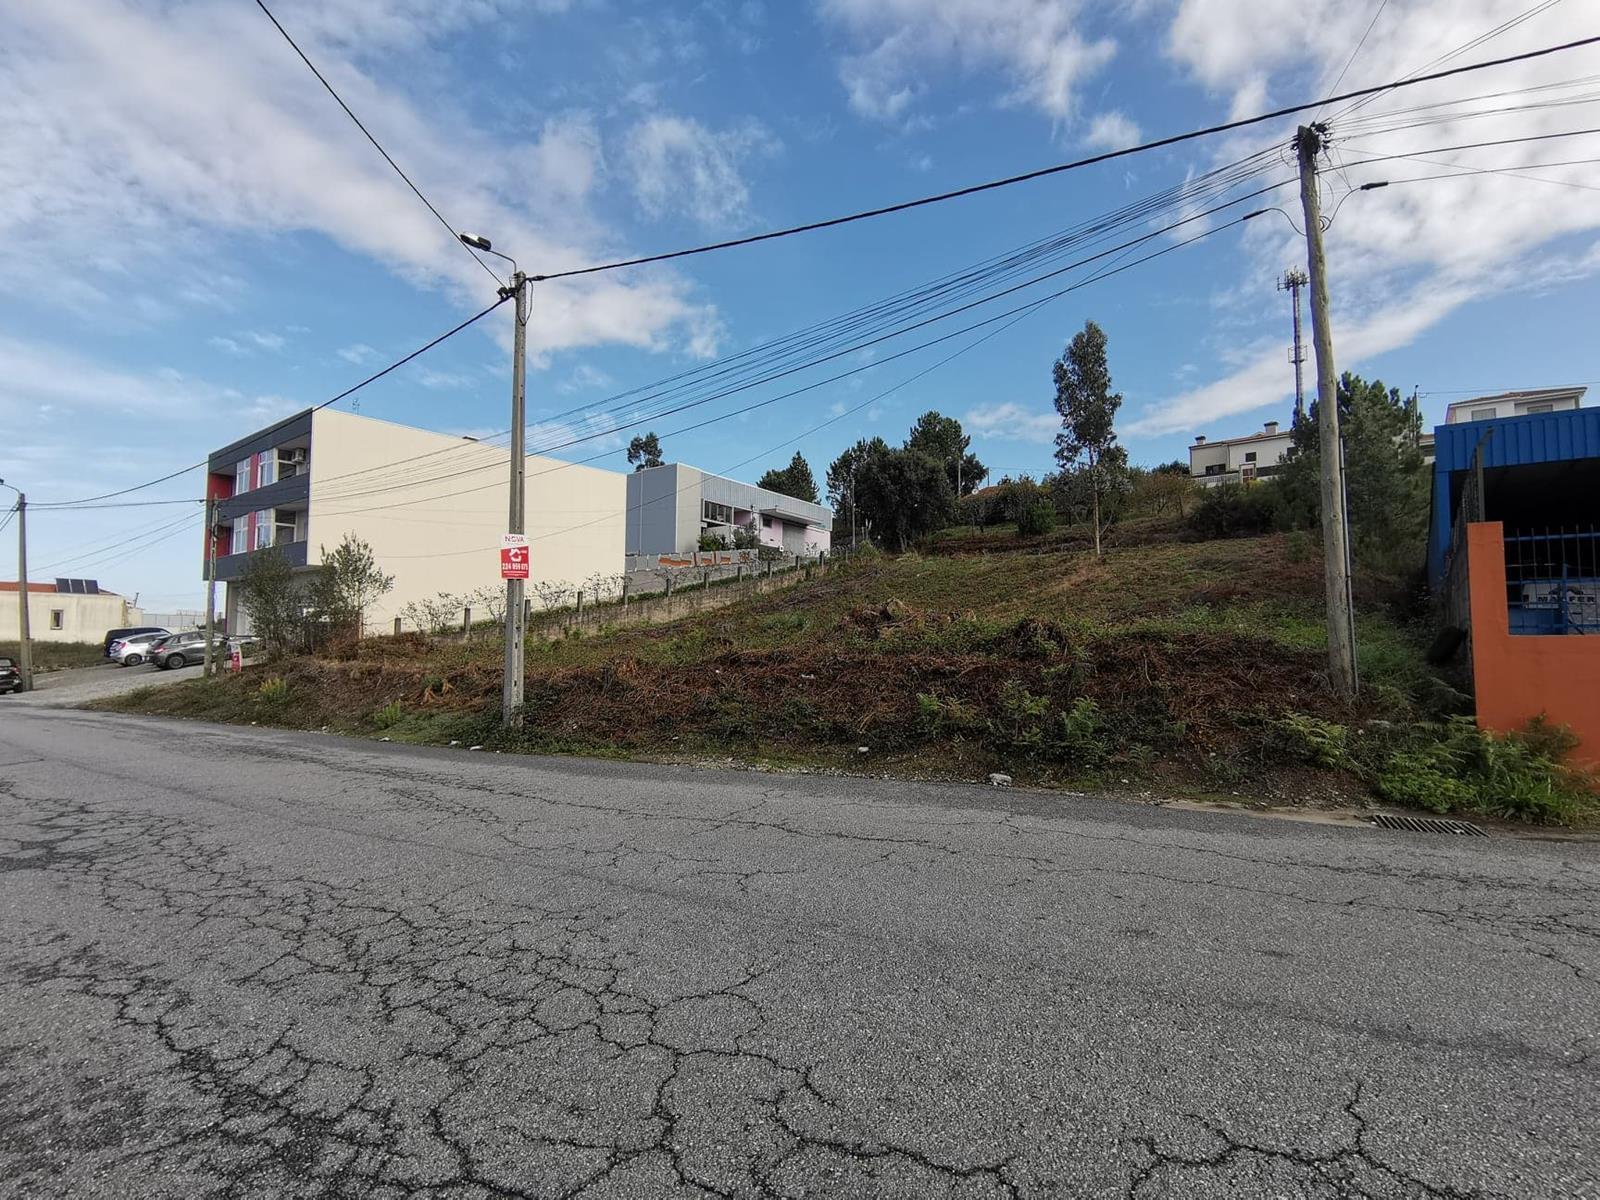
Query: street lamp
(511, 685)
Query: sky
(195, 240)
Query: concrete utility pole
(1293, 280)
(211, 580)
(26, 635)
(1335, 528)
(516, 628)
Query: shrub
(274, 690)
(1457, 767)
(388, 716)
(1297, 546)
(1234, 511)
(1319, 742)
(714, 541)
(1035, 518)
(1025, 724)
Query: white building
(1514, 404)
(1240, 459)
(671, 506)
(68, 610)
(432, 506)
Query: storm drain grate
(1427, 825)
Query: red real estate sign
(514, 556)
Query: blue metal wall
(1512, 442)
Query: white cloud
(896, 45)
(582, 378)
(1403, 258)
(1010, 421)
(156, 175)
(1111, 131)
(227, 344)
(358, 353)
(677, 165)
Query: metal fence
(1553, 581)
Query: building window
(58, 618)
(1250, 456)
(263, 529)
(766, 522)
(1539, 408)
(1215, 468)
(716, 514)
(241, 536)
(1483, 414)
(241, 477)
(266, 468)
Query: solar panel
(79, 587)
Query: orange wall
(1517, 678)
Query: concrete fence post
(397, 627)
(466, 622)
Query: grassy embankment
(1197, 668)
(57, 656)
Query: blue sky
(196, 240)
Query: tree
(843, 476)
(941, 439)
(271, 600)
(347, 584)
(902, 494)
(794, 480)
(644, 452)
(1088, 407)
(1385, 478)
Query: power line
(373, 378)
(1019, 309)
(1349, 62)
(377, 145)
(857, 325)
(1057, 169)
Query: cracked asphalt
(245, 963)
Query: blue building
(1530, 460)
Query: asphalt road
(63, 689)
(248, 963)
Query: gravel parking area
(65, 689)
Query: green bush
(388, 716)
(1297, 546)
(274, 690)
(1037, 517)
(1235, 511)
(1319, 742)
(1025, 724)
(1457, 767)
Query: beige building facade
(1241, 459)
(64, 616)
(432, 506)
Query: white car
(133, 649)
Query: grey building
(671, 506)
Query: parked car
(135, 648)
(113, 635)
(179, 649)
(10, 677)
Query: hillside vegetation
(1196, 667)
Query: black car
(10, 677)
(113, 635)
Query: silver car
(133, 649)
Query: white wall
(83, 618)
(435, 525)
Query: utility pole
(1335, 528)
(211, 580)
(516, 628)
(22, 594)
(1293, 280)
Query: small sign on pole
(514, 556)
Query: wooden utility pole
(1335, 529)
